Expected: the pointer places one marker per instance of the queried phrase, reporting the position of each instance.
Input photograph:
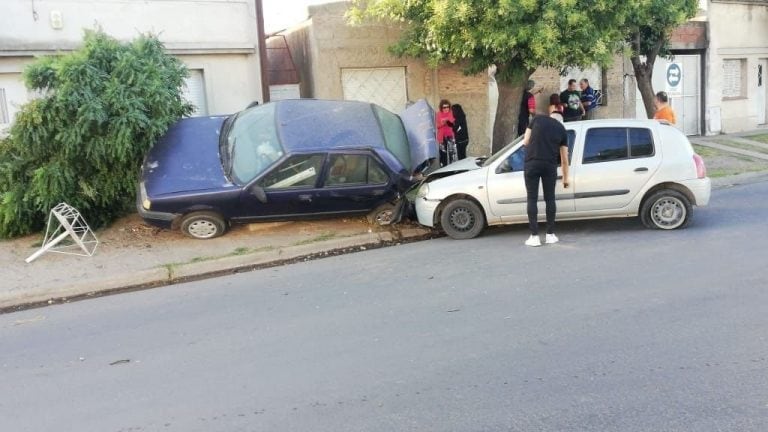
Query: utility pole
(262, 48)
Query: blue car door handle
(305, 197)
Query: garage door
(382, 86)
(194, 92)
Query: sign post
(65, 221)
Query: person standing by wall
(546, 142)
(588, 99)
(527, 108)
(444, 121)
(460, 130)
(663, 110)
(571, 99)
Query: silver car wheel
(203, 229)
(462, 219)
(668, 212)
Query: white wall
(750, 42)
(217, 36)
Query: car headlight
(144, 200)
(423, 191)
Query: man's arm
(564, 165)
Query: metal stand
(83, 241)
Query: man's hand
(566, 183)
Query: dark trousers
(461, 148)
(536, 170)
(522, 125)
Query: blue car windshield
(252, 143)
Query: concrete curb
(176, 273)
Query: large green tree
(83, 139)
(518, 36)
(648, 27)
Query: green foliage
(517, 36)
(83, 140)
(650, 22)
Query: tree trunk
(505, 125)
(643, 75)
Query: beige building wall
(335, 45)
(738, 30)
(217, 36)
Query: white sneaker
(551, 239)
(533, 240)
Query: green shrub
(83, 140)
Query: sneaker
(551, 239)
(533, 240)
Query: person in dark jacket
(460, 130)
(527, 108)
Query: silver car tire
(666, 209)
(462, 219)
(203, 225)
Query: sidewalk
(132, 255)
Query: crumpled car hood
(467, 164)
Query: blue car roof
(308, 124)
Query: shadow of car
(290, 159)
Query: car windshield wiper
(225, 151)
(230, 158)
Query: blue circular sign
(674, 74)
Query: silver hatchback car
(618, 168)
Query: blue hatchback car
(284, 160)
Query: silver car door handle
(641, 169)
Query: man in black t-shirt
(546, 142)
(571, 99)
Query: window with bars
(733, 78)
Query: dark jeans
(547, 172)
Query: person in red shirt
(444, 121)
(663, 110)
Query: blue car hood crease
(186, 158)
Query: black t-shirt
(547, 136)
(571, 100)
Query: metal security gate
(382, 86)
(680, 77)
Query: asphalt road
(617, 328)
